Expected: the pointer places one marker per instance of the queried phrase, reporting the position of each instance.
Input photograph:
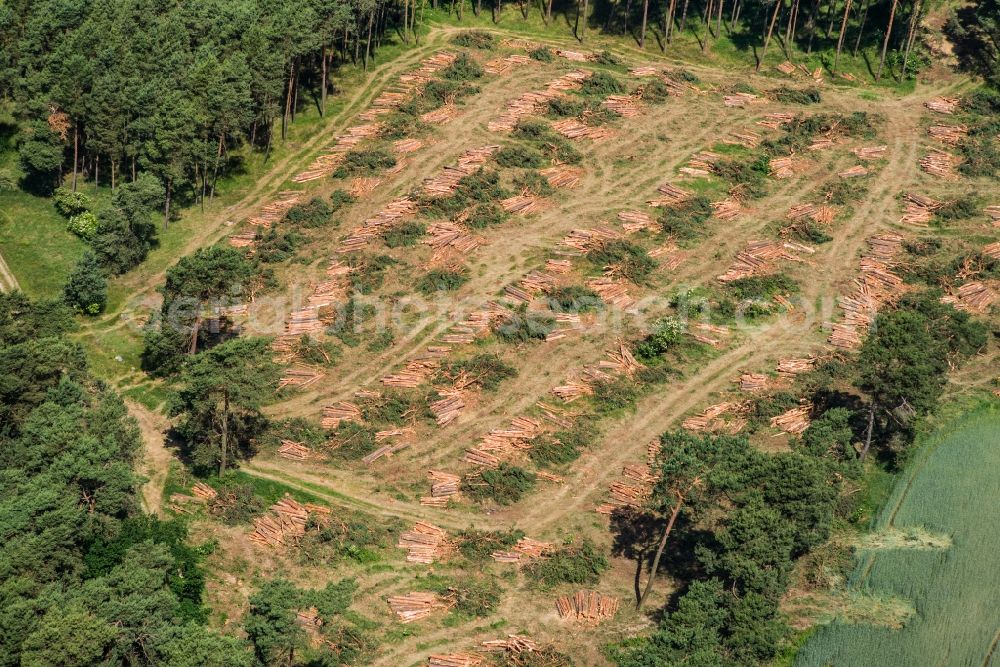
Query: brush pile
(276, 210)
(571, 128)
(759, 257)
(513, 645)
(972, 297)
(918, 210)
(444, 487)
(774, 121)
(425, 543)
(343, 411)
(417, 605)
(627, 106)
(671, 195)
(587, 606)
(562, 176)
(741, 99)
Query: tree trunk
(668, 24)
(645, 15)
(76, 150)
(288, 100)
(709, 7)
(225, 432)
(295, 96)
(812, 25)
(868, 437)
(840, 38)
(885, 42)
(195, 328)
(861, 28)
(113, 170)
(914, 17)
(718, 20)
(548, 12)
(684, 17)
(215, 171)
(368, 43)
(581, 20)
(770, 29)
(659, 552)
(323, 74)
(166, 205)
(732, 17)
(832, 15)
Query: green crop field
(951, 489)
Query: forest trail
(156, 457)
(8, 281)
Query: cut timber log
(587, 606)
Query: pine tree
(86, 290)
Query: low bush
(797, 95)
(339, 199)
(478, 545)
(749, 174)
(368, 272)
(601, 84)
(477, 597)
(365, 162)
(574, 299)
(967, 206)
(542, 54)
(523, 326)
(404, 235)
(629, 260)
(483, 185)
(686, 222)
(349, 537)
(475, 39)
(69, 203)
(981, 102)
(762, 287)
(667, 333)
(442, 280)
(605, 57)
(486, 215)
(577, 564)
(519, 156)
(395, 409)
(351, 440)
(809, 232)
(533, 182)
(381, 341)
(441, 91)
(463, 69)
(84, 225)
(547, 450)
(614, 394)
(655, 91)
(273, 246)
(504, 485)
(546, 140)
(401, 126)
(485, 370)
(316, 352)
(314, 213)
(845, 191)
(980, 153)
(562, 107)
(544, 656)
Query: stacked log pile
(562, 176)
(404, 146)
(443, 236)
(501, 444)
(588, 240)
(534, 102)
(994, 214)
(340, 412)
(870, 152)
(876, 285)
(745, 138)
(973, 297)
(940, 164)
(276, 210)
(727, 209)
(789, 368)
(513, 645)
(425, 543)
(387, 450)
(710, 419)
(246, 239)
(454, 660)
(918, 210)
(295, 451)
(444, 487)
(415, 373)
(668, 255)
(741, 99)
(795, 421)
(634, 221)
(321, 167)
(856, 171)
(376, 225)
(751, 382)
(530, 286)
(758, 258)
(440, 115)
(820, 214)
(786, 68)
(559, 266)
(417, 605)
(627, 106)
(587, 606)
(783, 167)
(522, 204)
(706, 329)
(285, 523)
(364, 185)
(300, 376)
(945, 105)
(448, 408)
(774, 121)
(204, 492)
(822, 144)
(574, 56)
(571, 128)
(612, 292)
(948, 134)
(526, 549)
(671, 195)
(506, 64)
(992, 250)
(701, 163)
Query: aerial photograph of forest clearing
(516, 334)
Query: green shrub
(369, 161)
(845, 191)
(477, 597)
(630, 261)
(980, 153)
(542, 54)
(351, 440)
(401, 126)
(533, 182)
(573, 299)
(486, 215)
(655, 91)
(547, 450)
(519, 156)
(796, 95)
(442, 280)
(441, 91)
(274, 246)
(314, 213)
(667, 333)
(686, 222)
(463, 69)
(69, 203)
(339, 199)
(316, 352)
(572, 564)
(483, 186)
(404, 235)
(762, 287)
(484, 370)
(478, 545)
(550, 143)
(86, 289)
(981, 102)
(475, 39)
(749, 175)
(357, 538)
(614, 394)
(84, 225)
(544, 656)
(504, 485)
(382, 340)
(967, 206)
(395, 409)
(562, 107)
(523, 326)
(605, 57)
(7, 181)
(369, 272)
(602, 84)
